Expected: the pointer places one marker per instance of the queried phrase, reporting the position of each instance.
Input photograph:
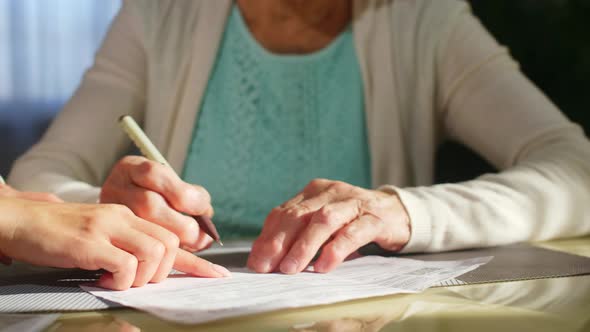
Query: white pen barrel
(141, 140)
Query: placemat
(511, 263)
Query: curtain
(46, 45)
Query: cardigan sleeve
(484, 102)
(84, 141)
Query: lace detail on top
(271, 123)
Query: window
(46, 45)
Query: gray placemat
(518, 262)
(510, 263)
(28, 289)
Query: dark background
(549, 38)
(551, 41)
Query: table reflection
(105, 323)
(558, 304)
(546, 305)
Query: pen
(149, 150)
(2, 182)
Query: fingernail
(259, 264)
(221, 270)
(319, 267)
(289, 266)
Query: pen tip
(220, 243)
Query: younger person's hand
(7, 191)
(95, 236)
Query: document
(191, 300)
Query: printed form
(191, 300)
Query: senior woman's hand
(333, 216)
(155, 193)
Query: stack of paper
(195, 300)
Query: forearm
(544, 196)
(487, 104)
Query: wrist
(12, 212)
(398, 217)
(7, 228)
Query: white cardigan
(430, 72)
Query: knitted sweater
(430, 72)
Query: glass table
(558, 304)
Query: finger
(293, 201)
(283, 227)
(313, 188)
(203, 242)
(316, 186)
(324, 223)
(184, 197)
(153, 207)
(191, 264)
(123, 326)
(120, 265)
(314, 203)
(354, 235)
(148, 251)
(278, 234)
(167, 238)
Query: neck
(303, 25)
(312, 13)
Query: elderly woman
(254, 99)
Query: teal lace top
(271, 123)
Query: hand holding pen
(153, 191)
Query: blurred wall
(43, 40)
(551, 41)
(45, 47)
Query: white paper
(31, 323)
(192, 300)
